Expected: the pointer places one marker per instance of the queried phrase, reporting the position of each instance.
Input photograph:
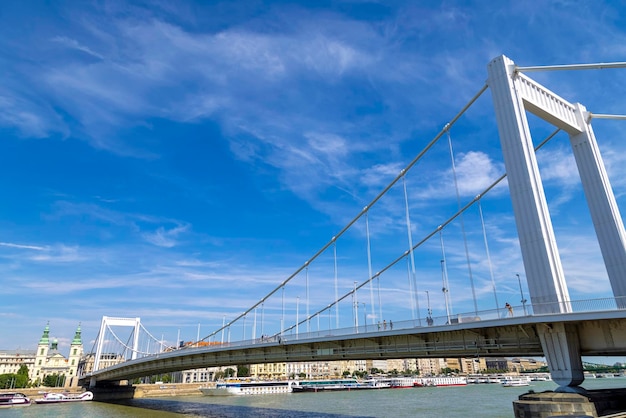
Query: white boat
(440, 381)
(50, 397)
(402, 382)
(331, 385)
(515, 382)
(241, 387)
(10, 399)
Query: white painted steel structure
(107, 322)
(513, 93)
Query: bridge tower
(123, 322)
(513, 93)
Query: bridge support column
(603, 208)
(561, 346)
(542, 262)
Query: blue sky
(176, 161)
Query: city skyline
(178, 162)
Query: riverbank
(484, 400)
(141, 390)
(170, 389)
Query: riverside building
(12, 360)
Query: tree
(22, 377)
(15, 380)
(229, 372)
(54, 380)
(243, 371)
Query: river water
(484, 400)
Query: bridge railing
(386, 328)
(522, 310)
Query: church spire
(77, 338)
(45, 338)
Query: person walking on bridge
(509, 308)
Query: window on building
(41, 352)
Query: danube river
(485, 400)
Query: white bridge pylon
(513, 93)
(107, 322)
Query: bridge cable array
(372, 276)
(417, 158)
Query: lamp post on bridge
(429, 318)
(297, 314)
(223, 325)
(521, 293)
(244, 327)
(444, 289)
(356, 309)
(364, 315)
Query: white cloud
(31, 118)
(475, 172)
(166, 237)
(22, 246)
(59, 254)
(558, 165)
(74, 44)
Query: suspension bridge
(337, 306)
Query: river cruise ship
(440, 381)
(511, 382)
(328, 385)
(241, 387)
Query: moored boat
(10, 399)
(330, 385)
(440, 381)
(402, 382)
(56, 397)
(511, 382)
(241, 387)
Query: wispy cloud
(165, 237)
(59, 254)
(22, 246)
(74, 44)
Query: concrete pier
(592, 403)
(113, 392)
